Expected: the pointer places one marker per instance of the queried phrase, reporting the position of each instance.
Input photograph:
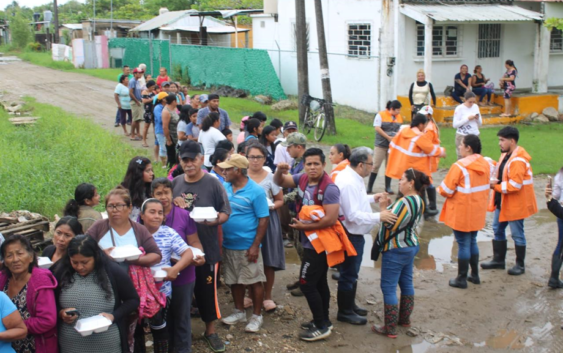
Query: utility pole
(56, 22)
(301, 48)
(325, 77)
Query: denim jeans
(161, 145)
(467, 243)
(483, 91)
(396, 268)
(457, 96)
(516, 229)
(350, 268)
(560, 240)
(117, 116)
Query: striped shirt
(406, 209)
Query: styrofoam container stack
(201, 214)
(158, 273)
(44, 262)
(126, 252)
(197, 252)
(94, 324)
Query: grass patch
(42, 164)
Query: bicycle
(315, 116)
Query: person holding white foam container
(90, 285)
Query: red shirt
(161, 79)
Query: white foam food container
(175, 256)
(44, 262)
(201, 214)
(126, 252)
(92, 324)
(158, 272)
(197, 252)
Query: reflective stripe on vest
(468, 189)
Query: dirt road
(503, 314)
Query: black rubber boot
(461, 280)
(519, 268)
(371, 181)
(388, 186)
(499, 255)
(431, 198)
(428, 212)
(474, 263)
(554, 281)
(345, 309)
(358, 310)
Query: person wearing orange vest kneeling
(412, 148)
(514, 200)
(466, 188)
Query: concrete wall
(246, 69)
(354, 81)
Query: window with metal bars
(359, 39)
(556, 41)
(444, 41)
(489, 41)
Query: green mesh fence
(247, 69)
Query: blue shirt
(158, 129)
(247, 206)
(6, 308)
(225, 121)
(169, 242)
(457, 86)
(137, 89)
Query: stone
(263, 99)
(551, 113)
(285, 105)
(541, 119)
(534, 115)
(561, 117)
(229, 337)
(529, 118)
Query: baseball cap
(138, 71)
(426, 110)
(290, 125)
(189, 149)
(295, 138)
(165, 83)
(235, 161)
(203, 98)
(161, 96)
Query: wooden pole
(301, 49)
(325, 76)
(56, 22)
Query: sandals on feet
(269, 305)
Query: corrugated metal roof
(210, 30)
(474, 13)
(162, 20)
(228, 13)
(73, 26)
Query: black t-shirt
(498, 195)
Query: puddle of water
(421, 347)
(505, 339)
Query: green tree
(20, 30)
(552, 23)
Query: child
(228, 134)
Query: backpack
(318, 194)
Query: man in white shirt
(355, 206)
(281, 154)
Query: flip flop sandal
(145, 145)
(269, 305)
(248, 302)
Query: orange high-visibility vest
(466, 188)
(411, 149)
(339, 167)
(434, 133)
(518, 200)
(332, 240)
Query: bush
(41, 164)
(33, 46)
(20, 30)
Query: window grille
(359, 39)
(489, 41)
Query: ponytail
(82, 193)
(393, 105)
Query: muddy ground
(503, 314)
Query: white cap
(426, 110)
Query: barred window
(489, 41)
(556, 42)
(359, 39)
(444, 41)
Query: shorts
(239, 271)
(123, 113)
(508, 89)
(138, 111)
(205, 292)
(148, 118)
(161, 145)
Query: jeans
(467, 242)
(457, 96)
(117, 117)
(350, 268)
(179, 320)
(314, 285)
(161, 145)
(516, 229)
(560, 239)
(396, 268)
(483, 91)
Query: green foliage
(66, 37)
(34, 46)
(42, 163)
(20, 30)
(552, 23)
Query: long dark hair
(133, 180)
(208, 122)
(82, 193)
(421, 180)
(252, 125)
(27, 246)
(72, 222)
(344, 149)
(87, 247)
(185, 113)
(265, 132)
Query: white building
(376, 46)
